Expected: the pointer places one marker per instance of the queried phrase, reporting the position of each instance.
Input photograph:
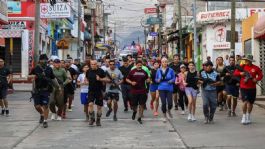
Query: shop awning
(6, 33)
(2, 42)
(259, 28)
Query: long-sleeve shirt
(254, 71)
(167, 82)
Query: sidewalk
(22, 87)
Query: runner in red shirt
(248, 86)
(137, 79)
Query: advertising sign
(59, 10)
(14, 25)
(154, 34)
(3, 11)
(149, 10)
(14, 7)
(153, 20)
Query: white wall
(25, 53)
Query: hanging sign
(59, 10)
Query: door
(14, 62)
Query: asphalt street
(21, 130)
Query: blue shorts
(153, 87)
(84, 98)
(232, 90)
(42, 98)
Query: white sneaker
(53, 116)
(189, 117)
(243, 121)
(182, 112)
(59, 118)
(248, 120)
(193, 118)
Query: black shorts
(42, 98)
(3, 93)
(95, 97)
(248, 95)
(220, 88)
(175, 89)
(232, 90)
(138, 99)
(113, 96)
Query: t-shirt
(81, 78)
(125, 71)
(60, 75)
(4, 72)
(116, 76)
(42, 81)
(175, 67)
(140, 77)
(94, 84)
(71, 86)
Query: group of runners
(176, 85)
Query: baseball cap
(182, 65)
(57, 61)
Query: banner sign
(14, 7)
(153, 20)
(149, 10)
(59, 10)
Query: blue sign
(153, 20)
(154, 34)
(14, 7)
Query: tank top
(192, 80)
(153, 76)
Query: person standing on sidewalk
(138, 78)
(250, 74)
(114, 80)
(231, 86)
(125, 86)
(95, 77)
(175, 65)
(191, 89)
(154, 89)
(58, 98)
(210, 79)
(5, 79)
(42, 87)
(165, 76)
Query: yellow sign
(62, 44)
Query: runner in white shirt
(82, 81)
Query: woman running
(154, 89)
(191, 90)
(220, 89)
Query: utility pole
(37, 32)
(159, 29)
(194, 32)
(115, 40)
(79, 29)
(92, 32)
(104, 24)
(233, 26)
(180, 29)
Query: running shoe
(206, 121)
(59, 118)
(229, 113)
(98, 123)
(140, 121)
(115, 118)
(53, 116)
(182, 112)
(7, 113)
(133, 116)
(189, 117)
(155, 113)
(45, 124)
(176, 107)
(243, 120)
(3, 112)
(41, 119)
(234, 114)
(248, 120)
(126, 110)
(70, 110)
(193, 118)
(108, 112)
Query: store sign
(153, 20)
(153, 34)
(252, 11)
(59, 10)
(3, 11)
(149, 10)
(213, 16)
(219, 36)
(14, 25)
(14, 7)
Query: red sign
(256, 10)
(149, 10)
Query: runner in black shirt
(95, 76)
(70, 87)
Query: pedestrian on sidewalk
(83, 83)
(165, 76)
(5, 79)
(191, 89)
(114, 80)
(154, 89)
(231, 86)
(43, 85)
(181, 83)
(138, 78)
(57, 98)
(250, 75)
(210, 79)
(95, 77)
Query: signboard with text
(14, 7)
(59, 10)
(153, 20)
(149, 10)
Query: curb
(260, 105)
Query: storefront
(3, 20)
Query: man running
(42, 87)
(137, 78)
(115, 78)
(95, 77)
(5, 79)
(231, 86)
(125, 87)
(250, 74)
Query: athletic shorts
(113, 96)
(42, 98)
(138, 99)
(175, 89)
(248, 95)
(84, 99)
(95, 97)
(191, 92)
(232, 90)
(220, 88)
(153, 87)
(3, 93)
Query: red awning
(259, 28)
(2, 42)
